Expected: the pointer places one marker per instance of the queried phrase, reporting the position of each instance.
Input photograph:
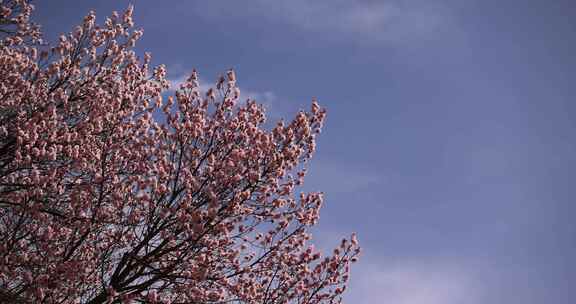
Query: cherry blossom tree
(110, 193)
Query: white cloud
(266, 97)
(176, 82)
(376, 278)
(411, 281)
(376, 21)
(338, 177)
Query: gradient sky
(450, 144)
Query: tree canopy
(111, 192)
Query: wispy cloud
(266, 97)
(412, 281)
(378, 278)
(337, 177)
(375, 21)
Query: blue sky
(450, 145)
